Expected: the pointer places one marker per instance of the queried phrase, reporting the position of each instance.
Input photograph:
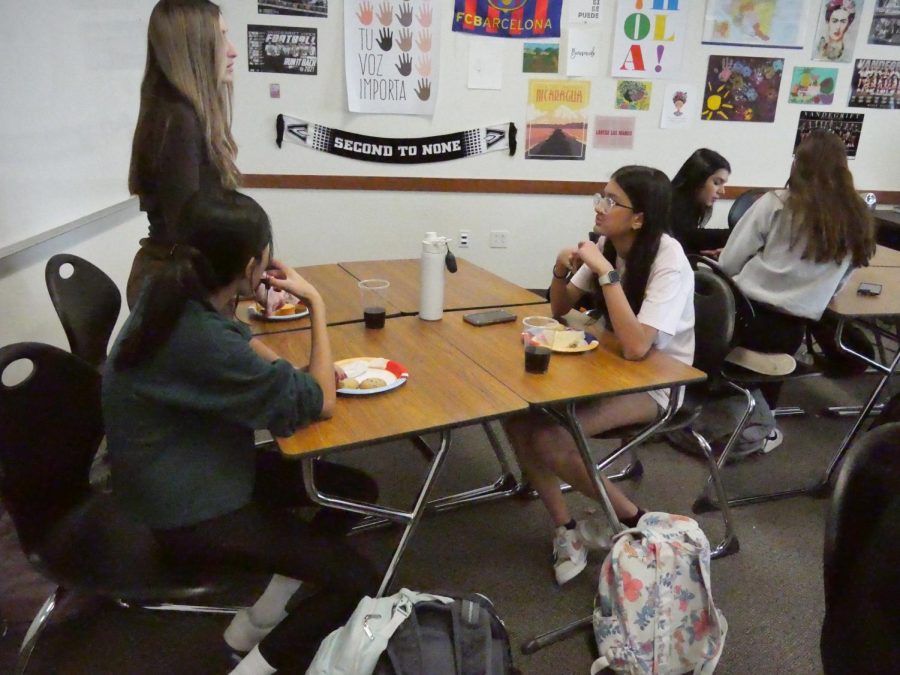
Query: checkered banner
(508, 18)
(396, 150)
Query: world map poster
(756, 23)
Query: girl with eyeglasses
(646, 288)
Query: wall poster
(633, 94)
(875, 84)
(756, 23)
(742, 88)
(813, 86)
(282, 49)
(838, 25)
(391, 56)
(846, 125)
(293, 7)
(557, 119)
(648, 42)
(681, 106)
(508, 18)
(613, 133)
(885, 28)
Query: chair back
(743, 310)
(50, 428)
(714, 320)
(87, 303)
(741, 204)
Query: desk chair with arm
(50, 428)
(87, 303)
(741, 204)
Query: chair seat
(688, 412)
(97, 546)
(748, 378)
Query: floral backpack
(654, 611)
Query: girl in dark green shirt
(184, 389)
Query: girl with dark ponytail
(646, 288)
(184, 390)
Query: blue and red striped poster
(508, 18)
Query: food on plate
(569, 339)
(348, 383)
(372, 383)
(274, 302)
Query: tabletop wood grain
(885, 257)
(471, 287)
(849, 303)
(445, 388)
(600, 372)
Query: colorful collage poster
(614, 133)
(648, 42)
(875, 84)
(557, 119)
(846, 125)
(391, 56)
(836, 31)
(885, 28)
(813, 86)
(540, 57)
(742, 89)
(756, 23)
(281, 49)
(681, 106)
(633, 95)
(508, 18)
(293, 7)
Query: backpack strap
(472, 640)
(405, 647)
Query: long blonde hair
(826, 210)
(184, 44)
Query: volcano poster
(557, 119)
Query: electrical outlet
(499, 238)
(463, 239)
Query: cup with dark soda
(537, 342)
(372, 295)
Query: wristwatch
(611, 277)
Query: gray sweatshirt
(767, 269)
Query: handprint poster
(742, 89)
(391, 52)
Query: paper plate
(591, 343)
(254, 313)
(364, 367)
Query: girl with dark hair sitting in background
(183, 391)
(647, 289)
(698, 184)
(794, 248)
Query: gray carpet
(770, 592)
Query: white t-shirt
(668, 304)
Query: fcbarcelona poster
(391, 56)
(648, 38)
(508, 18)
(742, 89)
(557, 119)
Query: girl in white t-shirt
(647, 289)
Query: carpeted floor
(771, 591)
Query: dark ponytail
(217, 235)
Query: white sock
(268, 610)
(253, 664)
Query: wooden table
(339, 290)
(471, 287)
(885, 257)
(445, 390)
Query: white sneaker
(569, 555)
(773, 440)
(242, 634)
(594, 533)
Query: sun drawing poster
(742, 89)
(391, 55)
(557, 119)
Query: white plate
(364, 367)
(254, 313)
(591, 341)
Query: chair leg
(40, 621)
(188, 609)
(729, 543)
(550, 637)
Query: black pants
(773, 332)
(264, 537)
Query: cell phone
(489, 317)
(866, 288)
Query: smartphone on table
(867, 288)
(489, 317)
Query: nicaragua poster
(508, 18)
(391, 56)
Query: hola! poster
(649, 38)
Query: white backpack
(654, 611)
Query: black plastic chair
(50, 428)
(859, 634)
(741, 204)
(88, 304)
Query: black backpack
(465, 637)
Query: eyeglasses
(606, 204)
